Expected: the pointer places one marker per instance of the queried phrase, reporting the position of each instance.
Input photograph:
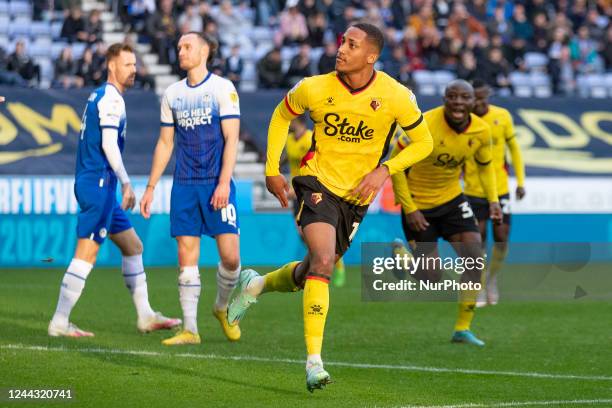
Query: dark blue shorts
(191, 213)
(99, 212)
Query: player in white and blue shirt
(99, 166)
(200, 120)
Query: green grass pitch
(379, 354)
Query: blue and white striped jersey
(196, 113)
(105, 109)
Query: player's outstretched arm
(161, 157)
(113, 155)
(519, 167)
(486, 174)
(277, 138)
(231, 131)
(414, 217)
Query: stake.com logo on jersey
(346, 131)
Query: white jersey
(196, 113)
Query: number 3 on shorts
(466, 210)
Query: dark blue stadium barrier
(38, 130)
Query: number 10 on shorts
(228, 215)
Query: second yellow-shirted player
(356, 110)
(503, 138)
(299, 143)
(430, 194)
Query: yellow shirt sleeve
(486, 172)
(410, 118)
(294, 104)
(400, 183)
(515, 152)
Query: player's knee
(323, 264)
(231, 263)
(133, 248)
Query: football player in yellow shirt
(503, 137)
(355, 110)
(433, 204)
(298, 145)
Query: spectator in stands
(162, 30)
(99, 57)
(234, 66)
(451, 47)
(327, 61)
(94, 27)
(317, 25)
(309, 8)
(413, 50)
(606, 53)
(442, 11)
(397, 65)
(463, 24)
(597, 25)
(204, 13)
(478, 9)
(584, 52)
(73, 29)
(269, 70)
(66, 71)
(299, 67)
(467, 68)
(558, 61)
(232, 26)
(190, 20)
(143, 79)
(138, 12)
(293, 29)
(422, 20)
(540, 33)
(7, 77)
(87, 71)
(494, 70)
(521, 27)
(21, 63)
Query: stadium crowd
(484, 38)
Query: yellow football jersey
(435, 180)
(503, 136)
(352, 128)
(296, 150)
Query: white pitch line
(328, 363)
(518, 404)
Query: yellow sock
(466, 314)
(497, 260)
(281, 280)
(316, 304)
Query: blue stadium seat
(442, 78)
(4, 25)
(78, 49)
(4, 8)
(20, 27)
(40, 29)
(425, 82)
(4, 42)
(521, 84)
(56, 49)
(536, 61)
(56, 29)
(41, 48)
(20, 8)
(540, 83)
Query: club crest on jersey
(330, 101)
(375, 104)
(316, 198)
(207, 98)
